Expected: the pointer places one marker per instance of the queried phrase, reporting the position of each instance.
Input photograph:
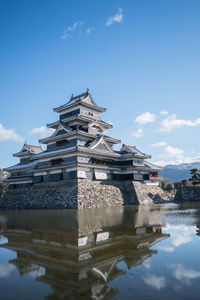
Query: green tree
(195, 176)
(184, 182)
(169, 187)
(176, 185)
(3, 185)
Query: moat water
(135, 252)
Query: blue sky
(140, 59)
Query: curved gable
(100, 144)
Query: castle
(79, 149)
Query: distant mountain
(178, 172)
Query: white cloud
(159, 144)
(41, 131)
(145, 118)
(5, 270)
(118, 18)
(147, 265)
(184, 274)
(173, 156)
(172, 122)
(137, 133)
(180, 234)
(166, 248)
(170, 152)
(157, 282)
(3, 240)
(164, 112)
(9, 135)
(163, 163)
(180, 239)
(37, 273)
(68, 31)
(89, 30)
(177, 161)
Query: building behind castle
(79, 149)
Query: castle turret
(20, 174)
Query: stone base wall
(103, 194)
(42, 195)
(188, 194)
(148, 194)
(82, 193)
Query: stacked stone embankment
(42, 195)
(188, 194)
(92, 194)
(148, 194)
(81, 193)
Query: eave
(65, 166)
(112, 140)
(57, 152)
(113, 154)
(80, 118)
(78, 150)
(79, 102)
(120, 169)
(153, 167)
(22, 179)
(155, 170)
(21, 166)
(79, 133)
(22, 154)
(59, 137)
(136, 156)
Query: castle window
(56, 162)
(70, 114)
(24, 160)
(90, 114)
(61, 143)
(37, 178)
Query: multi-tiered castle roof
(79, 148)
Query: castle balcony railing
(155, 178)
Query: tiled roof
(133, 150)
(29, 149)
(85, 97)
(80, 96)
(50, 153)
(27, 178)
(34, 149)
(22, 166)
(152, 166)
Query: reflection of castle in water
(78, 251)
